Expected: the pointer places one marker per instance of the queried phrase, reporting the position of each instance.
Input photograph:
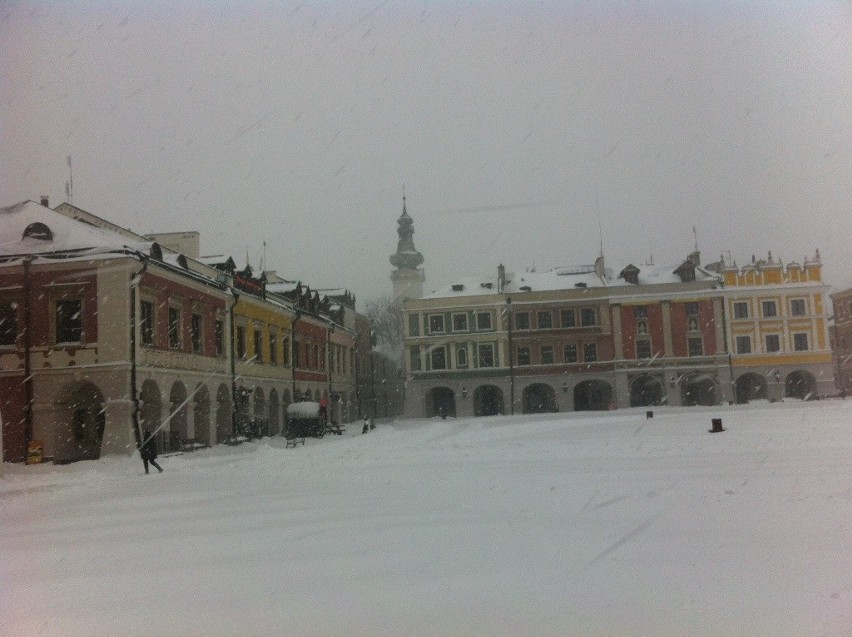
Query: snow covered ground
(579, 524)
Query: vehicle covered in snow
(306, 419)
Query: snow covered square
(562, 524)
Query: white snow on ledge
(579, 523)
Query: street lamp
(511, 357)
(329, 361)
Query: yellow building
(263, 370)
(777, 329)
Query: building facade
(106, 335)
(842, 339)
(579, 338)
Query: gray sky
(522, 131)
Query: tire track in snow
(624, 539)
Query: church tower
(407, 278)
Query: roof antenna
(695, 236)
(69, 185)
(598, 215)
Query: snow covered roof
(570, 278)
(28, 228)
(661, 274)
(282, 288)
(567, 278)
(305, 409)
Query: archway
(440, 401)
(538, 398)
(749, 387)
(179, 423)
(646, 391)
(224, 413)
(82, 421)
(274, 412)
(592, 395)
(285, 402)
(800, 384)
(242, 415)
(150, 407)
(487, 401)
(258, 417)
(697, 389)
(201, 414)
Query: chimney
(501, 278)
(45, 201)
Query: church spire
(406, 256)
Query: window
(438, 356)
(285, 351)
(8, 323)
(146, 322)
(640, 312)
(483, 321)
(695, 347)
(547, 354)
(297, 362)
(460, 322)
(241, 341)
(195, 332)
(486, 354)
(741, 310)
(522, 321)
(643, 348)
(692, 324)
(797, 307)
(692, 309)
(545, 320)
(570, 353)
(219, 336)
(258, 346)
(174, 328)
(414, 325)
(588, 317)
(568, 318)
(800, 342)
(273, 348)
(773, 343)
(436, 323)
(69, 321)
(590, 352)
(523, 356)
(769, 309)
(642, 326)
(743, 344)
(461, 356)
(414, 359)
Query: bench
(292, 442)
(191, 444)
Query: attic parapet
(773, 272)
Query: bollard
(717, 426)
(649, 415)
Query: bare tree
(385, 314)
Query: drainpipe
(233, 366)
(134, 390)
(28, 375)
(293, 360)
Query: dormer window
(631, 274)
(38, 230)
(686, 271)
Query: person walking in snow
(149, 452)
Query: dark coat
(149, 449)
